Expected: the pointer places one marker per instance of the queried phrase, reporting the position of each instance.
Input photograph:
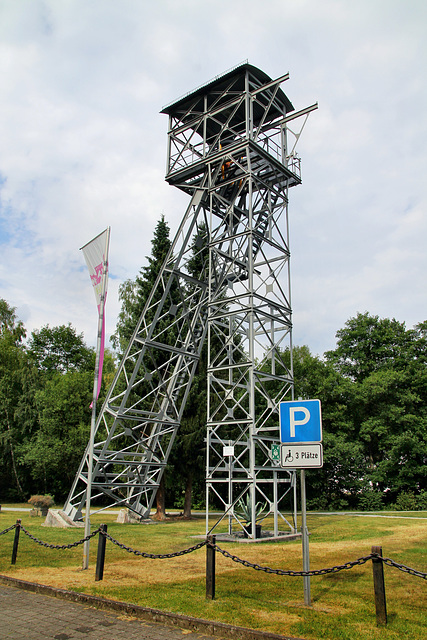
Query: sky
(83, 146)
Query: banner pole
(86, 545)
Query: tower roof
(233, 79)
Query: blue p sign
(300, 421)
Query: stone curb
(220, 629)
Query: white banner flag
(96, 255)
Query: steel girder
(138, 421)
(228, 149)
(249, 332)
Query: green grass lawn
(342, 603)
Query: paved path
(32, 616)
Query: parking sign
(300, 421)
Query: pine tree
(133, 294)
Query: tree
(188, 456)
(10, 326)
(60, 349)
(45, 395)
(187, 459)
(133, 294)
(337, 482)
(368, 343)
(54, 452)
(18, 380)
(392, 425)
(63, 407)
(128, 297)
(386, 366)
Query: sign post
(301, 448)
(305, 543)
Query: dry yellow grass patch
(122, 568)
(280, 617)
(342, 606)
(315, 606)
(60, 578)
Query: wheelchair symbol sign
(302, 456)
(289, 458)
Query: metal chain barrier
(404, 568)
(283, 572)
(7, 530)
(279, 572)
(319, 572)
(156, 556)
(13, 526)
(59, 546)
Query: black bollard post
(379, 587)
(100, 558)
(210, 569)
(16, 541)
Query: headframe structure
(226, 280)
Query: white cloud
(83, 146)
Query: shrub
(317, 504)
(407, 501)
(370, 500)
(244, 509)
(422, 500)
(41, 502)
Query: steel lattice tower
(226, 280)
